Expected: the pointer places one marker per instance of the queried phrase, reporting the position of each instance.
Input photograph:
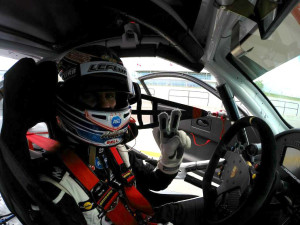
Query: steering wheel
(241, 194)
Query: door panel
(204, 138)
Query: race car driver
(95, 171)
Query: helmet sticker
(79, 57)
(96, 139)
(68, 74)
(112, 142)
(102, 67)
(113, 134)
(108, 58)
(116, 121)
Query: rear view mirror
(268, 14)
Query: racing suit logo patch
(98, 164)
(233, 172)
(86, 206)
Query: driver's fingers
(156, 135)
(174, 121)
(163, 120)
(184, 139)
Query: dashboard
(288, 155)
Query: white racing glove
(171, 142)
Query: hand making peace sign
(172, 142)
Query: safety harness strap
(126, 174)
(82, 173)
(46, 143)
(109, 199)
(135, 199)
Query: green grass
(282, 97)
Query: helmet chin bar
(109, 120)
(100, 128)
(107, 139)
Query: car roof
(185, 32)
(48, 28)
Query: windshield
(281, 86)
(276, 65)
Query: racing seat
(29, 96)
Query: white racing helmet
(93, 69)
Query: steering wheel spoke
(235, 173)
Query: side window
(185, 92)
(242, 107)
(146, 105)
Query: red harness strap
(79, 169)
(109, 200)
(45, 143)
(135, 199)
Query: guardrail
(151, 90)
(188, 95)
(284, 105)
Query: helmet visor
(104, 101)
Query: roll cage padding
(137, 96)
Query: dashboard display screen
(291, 161)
